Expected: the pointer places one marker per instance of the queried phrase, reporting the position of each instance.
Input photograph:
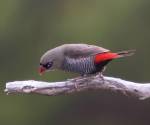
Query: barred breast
(82, 66)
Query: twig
(139, 90)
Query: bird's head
(51, 60)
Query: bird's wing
(82, 50)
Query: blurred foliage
(28, 28)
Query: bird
(83, 59)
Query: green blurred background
(28, 28)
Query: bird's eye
(48, 65)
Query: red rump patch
(105, 56)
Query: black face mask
(47, 65)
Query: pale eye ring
(49, 65)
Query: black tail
(126, 53)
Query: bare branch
(139, 90)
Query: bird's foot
(100, 75)
(75, 80)
(78, 80)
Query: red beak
(41, 70)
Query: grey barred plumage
(82, 65)
(79, 58)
